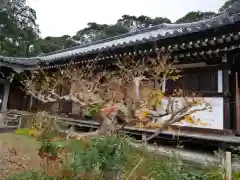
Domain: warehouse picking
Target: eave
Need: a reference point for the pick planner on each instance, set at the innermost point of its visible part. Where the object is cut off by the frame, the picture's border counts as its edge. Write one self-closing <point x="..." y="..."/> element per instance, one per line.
<point x="152" y="34"/>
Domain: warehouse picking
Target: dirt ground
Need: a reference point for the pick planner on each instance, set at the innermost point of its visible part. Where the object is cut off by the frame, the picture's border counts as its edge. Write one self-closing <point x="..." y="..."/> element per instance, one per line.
<point x="17" y="154"/>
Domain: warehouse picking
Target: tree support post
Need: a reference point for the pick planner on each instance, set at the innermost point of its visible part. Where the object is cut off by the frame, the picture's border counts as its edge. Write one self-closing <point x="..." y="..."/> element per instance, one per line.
<point x="144" y="138"/>
<point x="228" y="166"/>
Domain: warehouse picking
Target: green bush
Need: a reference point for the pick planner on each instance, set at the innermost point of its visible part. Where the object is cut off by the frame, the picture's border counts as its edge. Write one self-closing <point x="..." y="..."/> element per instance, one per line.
<point x="28" y="176"/>
<point x="94" y="108"/>
<point x="105" y="157"/>
<point x="22" y="131"/>
<point x="100" y="155"/>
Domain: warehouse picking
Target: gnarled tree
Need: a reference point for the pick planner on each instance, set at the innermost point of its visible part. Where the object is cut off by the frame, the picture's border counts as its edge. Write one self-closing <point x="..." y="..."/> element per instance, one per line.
<point x="130" y="93"/>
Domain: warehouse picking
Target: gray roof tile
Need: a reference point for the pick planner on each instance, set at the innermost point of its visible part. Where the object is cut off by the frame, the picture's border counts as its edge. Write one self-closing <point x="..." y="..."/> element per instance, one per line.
<point x="162" y="31"/>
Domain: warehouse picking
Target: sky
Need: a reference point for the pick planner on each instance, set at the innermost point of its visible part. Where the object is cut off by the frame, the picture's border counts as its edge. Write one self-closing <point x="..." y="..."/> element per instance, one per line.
<point x="60" y="17"/>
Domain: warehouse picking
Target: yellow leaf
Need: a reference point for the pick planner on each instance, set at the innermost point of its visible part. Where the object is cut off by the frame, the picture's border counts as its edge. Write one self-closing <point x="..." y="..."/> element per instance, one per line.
<point x="32" y="132"/>
<point x="139" y="125"/>
<point x="188" y="119"/>
<point x="155" y="126"/>
<point x="204" y="124"/>
<point x="170" y="129"/>
<point x="143" y="115"/>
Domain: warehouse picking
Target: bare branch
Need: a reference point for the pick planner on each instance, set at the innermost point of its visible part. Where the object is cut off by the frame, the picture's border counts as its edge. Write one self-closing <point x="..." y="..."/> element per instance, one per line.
<point x="126" y="93"/>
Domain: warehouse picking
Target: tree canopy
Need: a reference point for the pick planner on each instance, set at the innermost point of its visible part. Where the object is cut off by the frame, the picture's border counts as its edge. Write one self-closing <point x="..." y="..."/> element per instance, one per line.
<point x="196" y="16"/>
<point x="226" y="5"/>
<point x="20" y="35"/>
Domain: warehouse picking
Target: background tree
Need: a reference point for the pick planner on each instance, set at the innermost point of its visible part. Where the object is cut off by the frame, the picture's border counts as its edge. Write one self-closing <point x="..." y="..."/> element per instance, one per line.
<point x="50" y="44"/>
<point x="114" y="30"/>
<point x="20" y="36"/>
<point x="226" y="5"/>
<point x="196" y="16"/>
<point x="18" y="29"/>
<point x="133" y="23"/>
<point x="93" y="32"/>
<point x="96" y="31"/>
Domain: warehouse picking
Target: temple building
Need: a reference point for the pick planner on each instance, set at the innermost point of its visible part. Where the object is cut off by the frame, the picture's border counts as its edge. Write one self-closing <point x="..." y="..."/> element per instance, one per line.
<point x="207" y="50"/>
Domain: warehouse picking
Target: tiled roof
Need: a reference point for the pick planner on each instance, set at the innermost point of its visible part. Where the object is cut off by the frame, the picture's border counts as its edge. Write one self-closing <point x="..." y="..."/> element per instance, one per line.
<point x="153" y="33"/>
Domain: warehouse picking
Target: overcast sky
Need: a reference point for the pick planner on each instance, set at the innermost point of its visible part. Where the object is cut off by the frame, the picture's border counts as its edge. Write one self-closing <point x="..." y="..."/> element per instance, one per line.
<point x="59" y="17"/>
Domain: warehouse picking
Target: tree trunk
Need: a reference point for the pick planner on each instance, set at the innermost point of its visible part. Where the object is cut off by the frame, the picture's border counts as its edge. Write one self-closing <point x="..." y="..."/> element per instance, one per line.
<point x="107" y="127"/>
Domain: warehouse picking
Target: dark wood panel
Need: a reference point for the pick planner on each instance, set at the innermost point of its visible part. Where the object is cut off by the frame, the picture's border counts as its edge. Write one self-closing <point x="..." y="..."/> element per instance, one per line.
<point x="202" y="81"/>
<point x="17" y="98"/>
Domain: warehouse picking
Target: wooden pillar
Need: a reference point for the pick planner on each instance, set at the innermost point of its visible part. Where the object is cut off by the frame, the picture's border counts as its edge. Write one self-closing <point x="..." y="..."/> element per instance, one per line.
<point x="226" y="94"/>
<point x="237" y="103"/>
<point x="5" y="97"/>
<point x="30" y="103"/>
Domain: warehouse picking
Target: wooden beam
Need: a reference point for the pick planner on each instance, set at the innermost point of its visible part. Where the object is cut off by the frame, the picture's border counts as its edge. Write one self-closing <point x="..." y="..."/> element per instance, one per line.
<point x="192" y="65"/>
<point x="228" y="39"/>
<point x="196" y="45"/>
<point x="220" y="40"/>
<point x="224" y="58"/>
<point x="176" y="47"/>
<point x="203" y="54"/>
<point x="213" y="41"/>
<point x="204" y="43"/>
<point x="190" y="45"/>
<point x="183" y="46"/>
<point x="236" y="37"/>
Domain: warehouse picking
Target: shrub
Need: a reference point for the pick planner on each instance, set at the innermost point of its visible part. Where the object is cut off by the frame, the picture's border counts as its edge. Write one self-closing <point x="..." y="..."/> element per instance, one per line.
<point x="110" y="156"/>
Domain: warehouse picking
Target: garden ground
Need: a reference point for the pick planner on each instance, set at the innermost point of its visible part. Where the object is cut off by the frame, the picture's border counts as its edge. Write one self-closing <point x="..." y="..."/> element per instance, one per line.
<point x="17" y="154"/>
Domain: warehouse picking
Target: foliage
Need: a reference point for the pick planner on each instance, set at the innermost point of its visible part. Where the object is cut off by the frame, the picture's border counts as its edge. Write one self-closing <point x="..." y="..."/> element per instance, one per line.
<point x="18" y="30"/>
<point x="27" y="175"/>
<point x="133" y="23"/>
<point x="22" y="132"/>
<point x="19" y="33"/>
<point x="45" y="125"/>
<point x="236" y="175"/>
<point x="102" y="157"/>
<point x="41" y="125"/>
<point x="92" y="109"/>
<point x="50" y="44"/>
<point x="48" y="150"/>
<point x="196" y="16"/>
<point x="124" y="94"/>
<point x="226" y="5"/>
